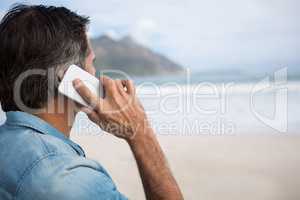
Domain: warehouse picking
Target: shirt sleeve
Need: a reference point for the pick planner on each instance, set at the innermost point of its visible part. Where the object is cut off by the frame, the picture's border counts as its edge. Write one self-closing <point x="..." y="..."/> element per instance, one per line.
<point x="56" y="177"/>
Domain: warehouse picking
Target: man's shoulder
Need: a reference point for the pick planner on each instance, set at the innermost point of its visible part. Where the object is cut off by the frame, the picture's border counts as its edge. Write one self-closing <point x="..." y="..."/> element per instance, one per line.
<point x="31" y="144"/>
<point x="20" y="146"/>
<point x="45" y="167"/>
<point x="21" y="149"/>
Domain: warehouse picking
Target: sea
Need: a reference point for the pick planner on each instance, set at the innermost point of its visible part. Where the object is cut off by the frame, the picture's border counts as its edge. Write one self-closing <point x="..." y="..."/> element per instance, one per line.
<point x="214" y="104"/>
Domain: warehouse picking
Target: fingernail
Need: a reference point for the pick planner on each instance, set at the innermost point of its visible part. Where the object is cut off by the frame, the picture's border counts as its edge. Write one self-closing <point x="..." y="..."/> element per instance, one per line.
<point x="76" y="82"/>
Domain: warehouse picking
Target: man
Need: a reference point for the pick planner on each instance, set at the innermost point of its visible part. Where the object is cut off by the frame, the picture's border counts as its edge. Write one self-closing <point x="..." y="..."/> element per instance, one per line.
<point x="38" y="160"/>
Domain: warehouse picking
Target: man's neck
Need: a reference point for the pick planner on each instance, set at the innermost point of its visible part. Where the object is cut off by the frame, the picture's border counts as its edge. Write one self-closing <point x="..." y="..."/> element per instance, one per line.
<point x="58" y="121"/>
<point x="62" y="121"/>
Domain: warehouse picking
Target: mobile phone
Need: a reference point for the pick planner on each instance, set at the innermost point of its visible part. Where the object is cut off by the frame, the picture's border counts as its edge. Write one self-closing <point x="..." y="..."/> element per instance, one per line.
<point x="74" y="72"/>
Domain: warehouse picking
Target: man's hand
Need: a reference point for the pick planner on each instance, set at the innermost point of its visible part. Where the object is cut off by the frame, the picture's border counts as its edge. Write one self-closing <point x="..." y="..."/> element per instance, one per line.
<point x="120" y="113"/>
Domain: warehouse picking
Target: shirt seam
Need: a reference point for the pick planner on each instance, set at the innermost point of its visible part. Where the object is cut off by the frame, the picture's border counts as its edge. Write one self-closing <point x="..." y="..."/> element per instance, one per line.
<point x="42" y="141"/>
<point x="25" y="125"/>
<point x="29" y="169"/>
<point x="36" y="129"/>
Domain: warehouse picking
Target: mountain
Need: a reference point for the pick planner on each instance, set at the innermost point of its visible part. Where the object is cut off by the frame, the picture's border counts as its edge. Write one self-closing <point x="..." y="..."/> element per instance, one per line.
<point x="131" y="57"/>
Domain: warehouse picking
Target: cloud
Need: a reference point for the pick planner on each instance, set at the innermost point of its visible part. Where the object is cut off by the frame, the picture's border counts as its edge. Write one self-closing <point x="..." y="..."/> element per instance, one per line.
<point x="145" y="30"/>
<point x="202" y="33"/>
<point x="112" y="33"/>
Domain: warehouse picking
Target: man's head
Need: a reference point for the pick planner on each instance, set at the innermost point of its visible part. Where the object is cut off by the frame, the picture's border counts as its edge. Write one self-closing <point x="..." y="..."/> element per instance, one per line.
<point x="37" y="39"/>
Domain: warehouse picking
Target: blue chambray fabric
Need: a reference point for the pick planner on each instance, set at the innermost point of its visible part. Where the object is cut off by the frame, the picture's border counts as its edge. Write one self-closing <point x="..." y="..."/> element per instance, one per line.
<point x="39" y="162"/>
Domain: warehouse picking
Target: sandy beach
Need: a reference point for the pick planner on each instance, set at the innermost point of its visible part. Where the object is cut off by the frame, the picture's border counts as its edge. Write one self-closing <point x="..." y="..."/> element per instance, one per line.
<point x="264" y="167"/>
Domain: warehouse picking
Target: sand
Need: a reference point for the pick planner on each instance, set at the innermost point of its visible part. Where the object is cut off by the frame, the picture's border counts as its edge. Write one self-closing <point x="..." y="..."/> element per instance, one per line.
<point x="210" y="167"/>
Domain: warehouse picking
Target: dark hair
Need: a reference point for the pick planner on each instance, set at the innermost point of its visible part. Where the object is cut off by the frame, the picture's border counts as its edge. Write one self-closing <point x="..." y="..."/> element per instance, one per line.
<point x="37" y="37"/>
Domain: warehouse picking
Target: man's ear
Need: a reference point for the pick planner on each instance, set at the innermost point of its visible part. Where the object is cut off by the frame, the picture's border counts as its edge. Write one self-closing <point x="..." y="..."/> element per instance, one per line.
<point x="60" y="72"/>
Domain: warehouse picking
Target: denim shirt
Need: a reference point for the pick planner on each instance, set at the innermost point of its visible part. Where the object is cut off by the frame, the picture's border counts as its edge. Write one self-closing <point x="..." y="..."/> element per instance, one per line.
<point x="39" y="162"/>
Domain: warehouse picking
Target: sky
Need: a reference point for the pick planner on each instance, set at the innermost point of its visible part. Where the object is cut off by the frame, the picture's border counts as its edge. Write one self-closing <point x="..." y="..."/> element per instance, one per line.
<point x="200" y="34"/>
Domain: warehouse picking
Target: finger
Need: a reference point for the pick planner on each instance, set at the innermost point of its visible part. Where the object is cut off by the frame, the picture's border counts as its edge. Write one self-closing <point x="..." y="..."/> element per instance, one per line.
<point x="86" y="94"/>
<point x="130" y="86"/>
<point x="105" y="80"/>
<point x="120" y="86"/>
<point x="108" y="85"/>
<point x="92" y="115"/>
<point x="77" y="106"/>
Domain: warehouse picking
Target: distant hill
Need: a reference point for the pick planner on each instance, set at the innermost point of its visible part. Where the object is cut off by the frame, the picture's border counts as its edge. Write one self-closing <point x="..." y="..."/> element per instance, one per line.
<point x="130" y="57"/>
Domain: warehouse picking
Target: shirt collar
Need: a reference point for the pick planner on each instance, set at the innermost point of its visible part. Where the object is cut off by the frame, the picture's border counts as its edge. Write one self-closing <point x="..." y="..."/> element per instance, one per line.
<point x="24" y="119"/>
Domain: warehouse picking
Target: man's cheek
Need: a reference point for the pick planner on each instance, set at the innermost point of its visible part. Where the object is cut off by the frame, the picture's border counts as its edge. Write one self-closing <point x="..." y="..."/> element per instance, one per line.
<point x="92" y="70"/>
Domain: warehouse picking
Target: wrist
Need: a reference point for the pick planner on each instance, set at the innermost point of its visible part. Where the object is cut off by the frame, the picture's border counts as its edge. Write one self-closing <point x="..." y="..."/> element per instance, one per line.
<point x="142" y="133"/>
